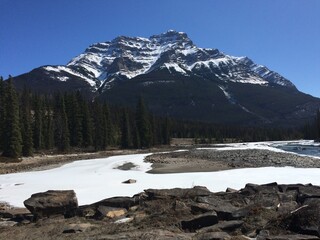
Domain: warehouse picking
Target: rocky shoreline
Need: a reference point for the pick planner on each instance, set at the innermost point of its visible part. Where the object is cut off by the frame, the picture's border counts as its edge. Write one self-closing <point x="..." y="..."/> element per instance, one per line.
<point x="261" y="212"/>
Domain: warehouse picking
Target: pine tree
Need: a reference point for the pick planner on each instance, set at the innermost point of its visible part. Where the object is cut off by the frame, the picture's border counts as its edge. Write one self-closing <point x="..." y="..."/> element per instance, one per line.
<point x="38" y="139"/>
<point x="61" y="130"/>
<point x="99" y="129"/>
<point x="26" y="125"/>
<point x="2" y="113"/>
<point x="87" y="125"/>
<point x="136" y="137"/>
<point x="12" y="135"/>
<point x="143" y="124"/>
<point x="48" y="127"/>
<point x="108" y="139"/>
<point x="73" y="102"/>
<point x="166" y="131"/>
<point x="318" y="124"/>
<point x="126" y="139"/>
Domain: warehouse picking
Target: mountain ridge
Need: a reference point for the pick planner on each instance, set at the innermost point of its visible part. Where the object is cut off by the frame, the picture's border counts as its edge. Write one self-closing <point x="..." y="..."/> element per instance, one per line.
<point x="172" y="63"/>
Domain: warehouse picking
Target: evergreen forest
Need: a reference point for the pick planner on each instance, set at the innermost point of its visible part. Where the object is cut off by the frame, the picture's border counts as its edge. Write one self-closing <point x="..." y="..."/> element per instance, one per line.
<point x="68" y="122"/>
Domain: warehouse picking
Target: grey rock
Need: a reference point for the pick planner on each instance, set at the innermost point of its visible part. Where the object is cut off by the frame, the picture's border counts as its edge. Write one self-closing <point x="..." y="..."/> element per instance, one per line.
<point x="292" y="237"/>
<point x="130" y="181"/>
<point x="8" y="223"/>
<point x="212" y="236"/>
<point x="223" y="208"/>
<point x="224" y="225"/>
<point x="306" y="219"/>
<point x="118" y="202"/>
<point x="177" y="193"/>
<point x="201" y="208"/>
<point x="200" y="221"/>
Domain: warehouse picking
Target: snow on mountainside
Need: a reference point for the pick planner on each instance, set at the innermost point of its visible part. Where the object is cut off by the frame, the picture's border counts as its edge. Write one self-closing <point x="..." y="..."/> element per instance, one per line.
<point x="103" y="64"/>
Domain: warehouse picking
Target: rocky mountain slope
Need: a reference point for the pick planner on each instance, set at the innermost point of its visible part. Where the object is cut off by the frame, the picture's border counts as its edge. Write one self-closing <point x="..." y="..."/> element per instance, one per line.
<point x="179" y="79"/>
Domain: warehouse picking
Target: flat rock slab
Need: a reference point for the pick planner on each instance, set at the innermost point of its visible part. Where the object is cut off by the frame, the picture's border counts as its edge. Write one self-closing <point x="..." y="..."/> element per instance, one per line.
<point x="200" y="221"/>
<point x="212" y="236"/>
<point x="291" y="237"/>
<point x="177" y="193"/>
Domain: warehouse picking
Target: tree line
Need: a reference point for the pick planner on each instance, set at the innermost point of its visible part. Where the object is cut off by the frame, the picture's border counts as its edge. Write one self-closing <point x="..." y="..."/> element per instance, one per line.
<point x="312" y="129"/>
<point x="32" y="122"/>
<point x="63" y="122"/>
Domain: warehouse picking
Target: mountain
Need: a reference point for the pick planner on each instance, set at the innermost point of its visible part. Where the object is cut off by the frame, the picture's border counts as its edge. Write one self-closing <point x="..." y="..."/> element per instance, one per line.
<point x="178" y="79"/>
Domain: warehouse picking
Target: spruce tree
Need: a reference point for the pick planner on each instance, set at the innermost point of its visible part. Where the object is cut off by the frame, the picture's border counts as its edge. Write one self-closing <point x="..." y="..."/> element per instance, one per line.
<point x="126" y="139"/>
<point x="38" y="139"/>
<point x="99" y="129"/>
<point x="48" y="127"/>
<point x="12" y="146"/>
<point x="136" y="137"/>
<point x="143" y="124"/>
<point x="166" y="131"/>
<point x="87" y="125"/>
<point x="108" y="126"/>
<point x="2" y="113"/>
<point x="318" y="124"/>
<point x="74" y="114"/>
<point x="61" y="130"/>
<point x="26" y="125"/>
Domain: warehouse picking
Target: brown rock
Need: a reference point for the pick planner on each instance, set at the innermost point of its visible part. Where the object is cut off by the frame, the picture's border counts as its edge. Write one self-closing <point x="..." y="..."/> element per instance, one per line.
<point x="52" y="202"/>
<point x="177" y="192"/>
<point x="212" y="236"/>
<point x="111" y="212"/>
<point x="130" y="181"/>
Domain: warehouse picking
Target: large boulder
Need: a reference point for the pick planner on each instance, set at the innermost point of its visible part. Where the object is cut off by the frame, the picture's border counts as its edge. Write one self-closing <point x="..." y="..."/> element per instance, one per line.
<point x="46" y="204"/>
<point x="224" y="209"/>
<point x="306" y="219"/>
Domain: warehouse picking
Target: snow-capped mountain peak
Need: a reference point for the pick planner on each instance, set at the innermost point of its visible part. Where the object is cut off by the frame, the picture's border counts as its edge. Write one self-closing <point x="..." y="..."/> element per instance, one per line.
<point x="178" y="79"/>
<point x="123" y="58"/>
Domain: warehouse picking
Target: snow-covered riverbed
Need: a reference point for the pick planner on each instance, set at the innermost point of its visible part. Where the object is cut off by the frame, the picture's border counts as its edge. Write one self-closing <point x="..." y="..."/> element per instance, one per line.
<point x="93" y="180"/>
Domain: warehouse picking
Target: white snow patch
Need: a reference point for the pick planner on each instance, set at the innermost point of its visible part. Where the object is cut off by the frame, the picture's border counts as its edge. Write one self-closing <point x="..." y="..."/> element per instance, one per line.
<point x="176" y="67"/>
<point x="50" y="68"/>
<point x="228" y="95"/>
<point x="189" y="51"/>
<point x="147" y="83"/>
<point x="63" y="79"/>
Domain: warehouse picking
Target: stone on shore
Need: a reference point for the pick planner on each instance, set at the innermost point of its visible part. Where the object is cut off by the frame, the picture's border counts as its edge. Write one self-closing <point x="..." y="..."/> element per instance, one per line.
<point x="52" y="202"/>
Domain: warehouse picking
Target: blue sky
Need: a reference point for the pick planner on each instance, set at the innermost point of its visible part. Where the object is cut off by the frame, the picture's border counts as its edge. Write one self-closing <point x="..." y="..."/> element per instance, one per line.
<point x="283" y="35"/>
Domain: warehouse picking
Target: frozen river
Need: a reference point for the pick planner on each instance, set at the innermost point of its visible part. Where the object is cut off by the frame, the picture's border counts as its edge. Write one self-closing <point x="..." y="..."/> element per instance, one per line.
<point x="96" y="179"/>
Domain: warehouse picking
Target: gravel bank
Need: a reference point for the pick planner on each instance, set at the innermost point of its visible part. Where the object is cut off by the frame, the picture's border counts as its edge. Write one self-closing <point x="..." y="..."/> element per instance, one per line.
<point x="204" y="160"/>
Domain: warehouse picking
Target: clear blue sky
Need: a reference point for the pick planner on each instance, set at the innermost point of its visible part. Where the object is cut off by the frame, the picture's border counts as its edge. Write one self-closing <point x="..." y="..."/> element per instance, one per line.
<point x="283" y="35"/>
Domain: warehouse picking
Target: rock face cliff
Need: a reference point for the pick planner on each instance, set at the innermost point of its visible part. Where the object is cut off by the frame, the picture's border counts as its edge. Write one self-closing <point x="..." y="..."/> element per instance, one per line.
<point x="261" y="212"/>
<point x="179" y="79"/>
